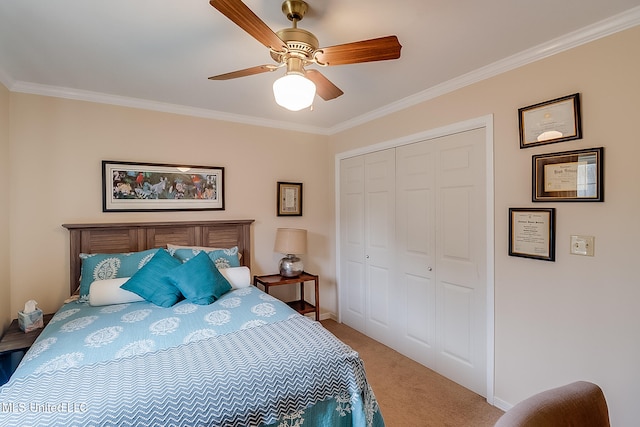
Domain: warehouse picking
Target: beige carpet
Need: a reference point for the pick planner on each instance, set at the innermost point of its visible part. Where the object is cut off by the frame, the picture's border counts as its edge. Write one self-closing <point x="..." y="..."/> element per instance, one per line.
<point x="411" y="395"/>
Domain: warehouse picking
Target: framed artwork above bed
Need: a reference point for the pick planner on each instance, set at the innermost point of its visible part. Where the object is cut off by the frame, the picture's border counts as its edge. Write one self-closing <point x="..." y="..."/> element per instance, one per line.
<point x="132" y="187"/>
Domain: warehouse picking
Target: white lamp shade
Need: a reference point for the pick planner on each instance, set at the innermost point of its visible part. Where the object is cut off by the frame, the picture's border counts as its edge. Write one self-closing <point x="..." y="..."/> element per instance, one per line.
<point x="291" y="241"/>
<point x="294" y="92"/>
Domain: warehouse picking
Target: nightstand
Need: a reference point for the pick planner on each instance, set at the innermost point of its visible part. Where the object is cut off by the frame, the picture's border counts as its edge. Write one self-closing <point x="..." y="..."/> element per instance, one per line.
<point x="14" y="341"/>
<point x="301" y="305"/>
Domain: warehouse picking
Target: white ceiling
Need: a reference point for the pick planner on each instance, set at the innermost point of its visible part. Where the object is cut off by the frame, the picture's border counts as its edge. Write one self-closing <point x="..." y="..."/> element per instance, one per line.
<point x="158" y="54"/>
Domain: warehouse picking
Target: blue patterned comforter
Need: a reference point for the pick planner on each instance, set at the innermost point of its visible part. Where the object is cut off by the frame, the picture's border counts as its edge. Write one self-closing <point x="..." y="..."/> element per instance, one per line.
<point x="245" y="360"/>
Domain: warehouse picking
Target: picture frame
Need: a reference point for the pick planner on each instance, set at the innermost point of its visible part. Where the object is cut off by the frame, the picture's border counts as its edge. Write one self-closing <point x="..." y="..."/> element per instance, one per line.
<point x="137" y="187"/>
<point x="550" y="121"/>
<point x="289" y="198"/>
<point x="532" y="233"/>
<point x="568" y="176"/>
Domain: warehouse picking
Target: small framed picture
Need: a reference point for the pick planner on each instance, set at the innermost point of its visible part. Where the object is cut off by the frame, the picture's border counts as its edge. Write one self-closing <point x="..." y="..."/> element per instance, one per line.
<point x="532" y="233"/>
<point x="550" y="121"/>
<point x="569" y="176"/>
<point x="289" y="199"/>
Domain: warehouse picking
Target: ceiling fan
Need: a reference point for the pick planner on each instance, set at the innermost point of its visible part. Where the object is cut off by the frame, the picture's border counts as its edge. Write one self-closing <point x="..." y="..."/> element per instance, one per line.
<point x="295" y="49"/>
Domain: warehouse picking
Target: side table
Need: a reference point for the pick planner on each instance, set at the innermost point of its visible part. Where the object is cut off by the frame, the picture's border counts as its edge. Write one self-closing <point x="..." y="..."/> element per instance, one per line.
<point x="301" y="305"/>
<point x="15" y="340"/>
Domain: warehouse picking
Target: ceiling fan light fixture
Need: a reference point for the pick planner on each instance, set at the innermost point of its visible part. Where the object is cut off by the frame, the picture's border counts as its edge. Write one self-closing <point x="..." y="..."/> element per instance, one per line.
<point x="294" y="91"/>
<point x="297" y="48"/>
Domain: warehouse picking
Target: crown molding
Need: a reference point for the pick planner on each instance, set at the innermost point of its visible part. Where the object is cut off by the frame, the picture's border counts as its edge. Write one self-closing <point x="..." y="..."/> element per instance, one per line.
<point x="612" y="25"/>
<point x="604" y="28"/>
<point x="5" y="79"/>
<point x="123" y="101"/>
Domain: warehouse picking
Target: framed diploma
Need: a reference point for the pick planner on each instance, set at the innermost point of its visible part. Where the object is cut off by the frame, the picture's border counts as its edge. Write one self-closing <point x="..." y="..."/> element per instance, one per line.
<point x="570" y="176"/>
<point x="550" y="121"/>
<point x="289" y="199"/>
<point x="532" y="233"/>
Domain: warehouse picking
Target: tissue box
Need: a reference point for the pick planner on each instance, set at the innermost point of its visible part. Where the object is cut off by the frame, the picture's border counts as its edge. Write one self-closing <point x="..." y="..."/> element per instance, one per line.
<point x="30" y="321"/>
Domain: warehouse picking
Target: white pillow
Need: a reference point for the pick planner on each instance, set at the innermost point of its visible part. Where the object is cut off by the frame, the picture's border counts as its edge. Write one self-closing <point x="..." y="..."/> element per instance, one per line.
<point x="238" y="277"/>
<point x="107" y="292"/>
<point x="199" y="248"/>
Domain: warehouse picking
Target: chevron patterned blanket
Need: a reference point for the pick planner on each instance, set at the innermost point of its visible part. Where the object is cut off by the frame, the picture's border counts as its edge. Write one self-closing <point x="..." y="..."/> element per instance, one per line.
<point x="285" y="373"/>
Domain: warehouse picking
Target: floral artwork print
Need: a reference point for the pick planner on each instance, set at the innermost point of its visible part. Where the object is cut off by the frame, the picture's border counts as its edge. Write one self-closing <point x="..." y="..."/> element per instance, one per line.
<point x="129" y="186"/>
<point x="132" y="184"/>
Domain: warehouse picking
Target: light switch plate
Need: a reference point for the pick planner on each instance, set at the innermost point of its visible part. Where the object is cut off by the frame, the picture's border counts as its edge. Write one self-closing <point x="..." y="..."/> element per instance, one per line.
<point x="582" y="245"/>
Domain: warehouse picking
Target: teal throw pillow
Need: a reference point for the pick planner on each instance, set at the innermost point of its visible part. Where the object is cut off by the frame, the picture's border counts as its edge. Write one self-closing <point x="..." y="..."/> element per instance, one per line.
<point x="151" y="282"/>
<point x="110" y="266"/>
<point x="199" y="280"/>
<point x="222" y="258"/>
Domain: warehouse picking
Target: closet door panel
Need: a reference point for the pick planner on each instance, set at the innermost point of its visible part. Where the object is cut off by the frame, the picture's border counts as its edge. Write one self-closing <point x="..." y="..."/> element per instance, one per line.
<point x="379" y="219"/>
<point x="461" y="259"/>
<point x="456" y="322"/>
<point x="415" y="226"/>
<point x="352" y="256"/>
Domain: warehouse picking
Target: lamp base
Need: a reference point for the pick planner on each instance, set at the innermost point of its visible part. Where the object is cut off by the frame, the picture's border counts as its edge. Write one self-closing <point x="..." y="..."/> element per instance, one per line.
<point x="291" y="266"/>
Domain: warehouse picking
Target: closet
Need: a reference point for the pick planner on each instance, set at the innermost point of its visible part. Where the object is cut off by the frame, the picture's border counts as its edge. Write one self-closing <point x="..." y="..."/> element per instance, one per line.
<point x="413" y="241"/>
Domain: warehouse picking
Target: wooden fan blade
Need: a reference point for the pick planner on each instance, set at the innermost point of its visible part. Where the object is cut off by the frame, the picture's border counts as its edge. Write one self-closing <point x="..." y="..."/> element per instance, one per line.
<point x="243" y="73"/>
<point x="379" y="49"/>
<point x="243" y="17"/>
<point x="324" y="87"/>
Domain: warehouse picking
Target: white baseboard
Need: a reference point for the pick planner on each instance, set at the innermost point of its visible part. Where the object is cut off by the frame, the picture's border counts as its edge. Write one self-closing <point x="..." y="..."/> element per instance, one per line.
<point x="501" y="404"/>
<point x="323" y="316"/>
<point x="328" y="315"/>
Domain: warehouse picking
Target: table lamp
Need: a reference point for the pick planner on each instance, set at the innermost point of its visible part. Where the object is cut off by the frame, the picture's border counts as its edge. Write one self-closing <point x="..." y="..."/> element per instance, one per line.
<point x="291" y="241"/>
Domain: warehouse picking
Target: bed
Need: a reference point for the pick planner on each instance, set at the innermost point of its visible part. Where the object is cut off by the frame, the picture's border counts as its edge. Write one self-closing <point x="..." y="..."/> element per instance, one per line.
<point x="245" y="359"/>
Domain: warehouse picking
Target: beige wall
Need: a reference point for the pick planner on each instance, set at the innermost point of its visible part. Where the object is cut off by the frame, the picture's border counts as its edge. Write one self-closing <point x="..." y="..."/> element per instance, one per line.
<point x="57" y="147"/>
<point x="4" y="209"/>
<point x="575" y="318"/>
<point x="556" y="322"/>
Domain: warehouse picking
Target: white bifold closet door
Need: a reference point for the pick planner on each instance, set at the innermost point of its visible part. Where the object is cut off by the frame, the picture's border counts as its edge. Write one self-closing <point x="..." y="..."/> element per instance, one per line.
<point x="413" y="262"/>
<point x="367" y="217"/>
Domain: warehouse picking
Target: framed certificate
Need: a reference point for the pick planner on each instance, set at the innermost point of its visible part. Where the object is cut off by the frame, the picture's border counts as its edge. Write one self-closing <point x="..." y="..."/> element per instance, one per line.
<point x="550" y="121"/>
<point x="569" y="176"/>
<point x="532" y="233"/>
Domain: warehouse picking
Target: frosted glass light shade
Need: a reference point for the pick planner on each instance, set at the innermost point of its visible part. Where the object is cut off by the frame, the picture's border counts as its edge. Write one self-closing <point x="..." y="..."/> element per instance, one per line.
<point x="294" y="92"/>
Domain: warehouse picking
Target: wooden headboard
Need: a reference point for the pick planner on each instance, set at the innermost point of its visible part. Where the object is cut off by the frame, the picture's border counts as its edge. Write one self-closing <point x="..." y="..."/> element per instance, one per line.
<point x="138" y="236"/>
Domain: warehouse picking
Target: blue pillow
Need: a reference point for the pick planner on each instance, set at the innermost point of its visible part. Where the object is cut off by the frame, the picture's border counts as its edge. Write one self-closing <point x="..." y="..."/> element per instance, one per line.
<point x="151" y="282"/>
<point x="110" y="266"/>
<point x="222" y="258"/>
<point x="199" y="280"/>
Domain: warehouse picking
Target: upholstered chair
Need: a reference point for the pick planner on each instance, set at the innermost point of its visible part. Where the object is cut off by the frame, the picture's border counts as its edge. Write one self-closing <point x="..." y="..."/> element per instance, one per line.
<point x="579" y="404"/>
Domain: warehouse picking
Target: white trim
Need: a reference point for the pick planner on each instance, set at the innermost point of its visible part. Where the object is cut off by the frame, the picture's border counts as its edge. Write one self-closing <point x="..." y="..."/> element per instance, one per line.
<point x="104" y="98"/>
<point x="328" y="316"/>
<point x="501" y="404"/>
<point x="491" y="236"/>
<point x="606" y="27"/>
<point x="5" y="79"/>
<point x="336" y="195"/>
<point x="477" y="123"/>
<point x="485" y="122"/>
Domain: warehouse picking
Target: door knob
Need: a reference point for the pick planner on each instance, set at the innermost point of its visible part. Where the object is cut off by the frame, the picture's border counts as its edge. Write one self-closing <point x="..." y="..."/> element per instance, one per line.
<point x="429" y="269"/>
